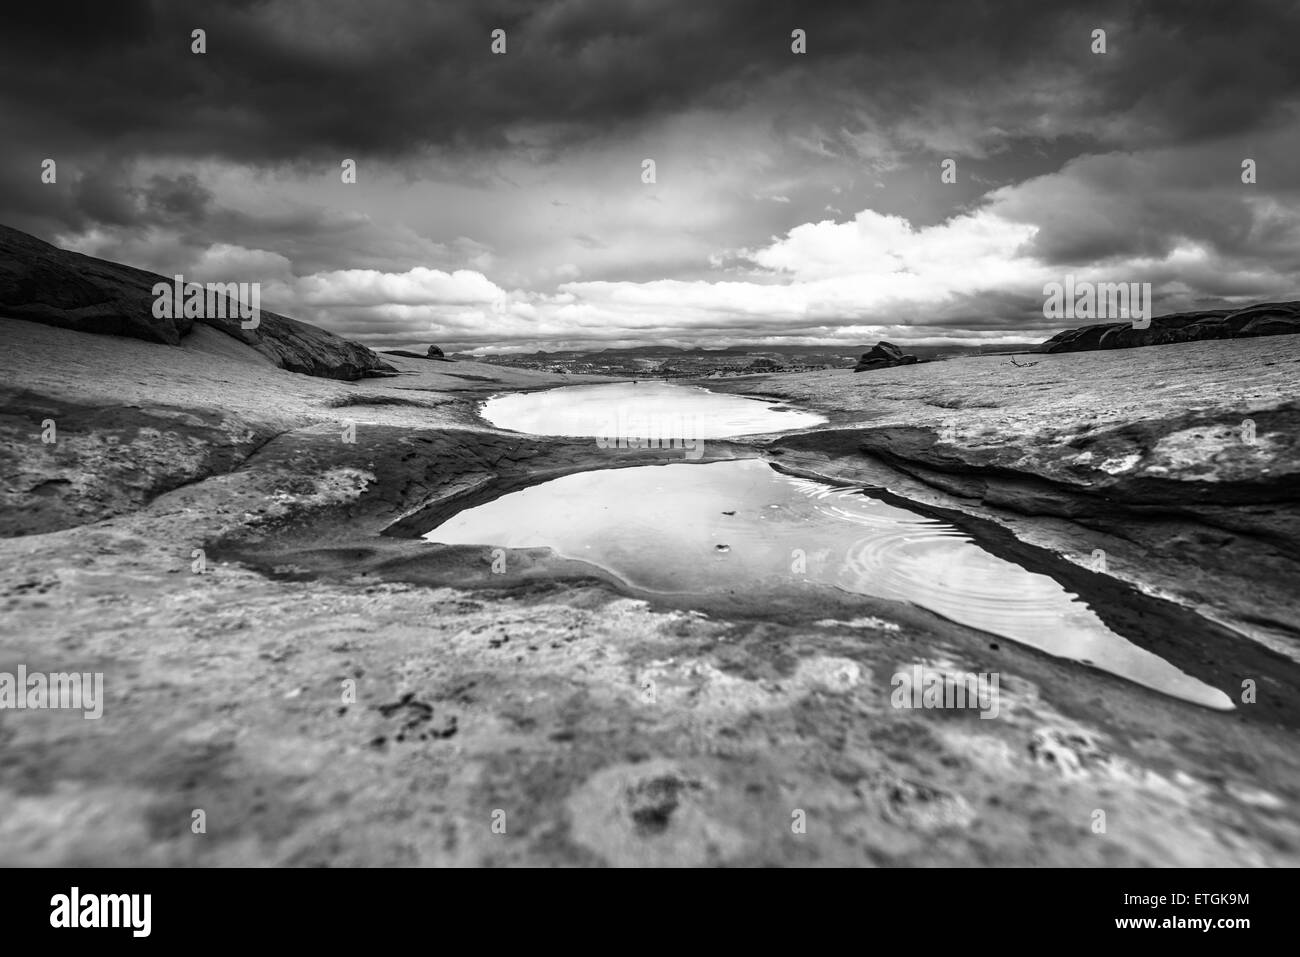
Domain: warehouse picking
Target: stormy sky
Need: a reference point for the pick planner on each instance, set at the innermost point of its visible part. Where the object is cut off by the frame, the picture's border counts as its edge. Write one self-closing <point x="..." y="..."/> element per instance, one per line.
<point x="499" y="200"/>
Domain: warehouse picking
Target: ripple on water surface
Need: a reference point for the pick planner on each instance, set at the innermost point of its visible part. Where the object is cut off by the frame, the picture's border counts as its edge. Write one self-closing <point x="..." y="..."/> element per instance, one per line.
<point x="687" y="529"/>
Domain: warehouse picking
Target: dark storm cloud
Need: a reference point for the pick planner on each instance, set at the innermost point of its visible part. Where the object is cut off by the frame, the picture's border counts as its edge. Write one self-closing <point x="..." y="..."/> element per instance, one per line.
<point x="105" y="194"/>
<point x="308" y="83"/>
<point x="288" y="81"/>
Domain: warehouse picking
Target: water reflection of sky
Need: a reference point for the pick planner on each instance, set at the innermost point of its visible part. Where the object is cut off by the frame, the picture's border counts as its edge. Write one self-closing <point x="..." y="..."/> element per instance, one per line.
<point x="659" y="527"/>
<point x="643" y="409"/>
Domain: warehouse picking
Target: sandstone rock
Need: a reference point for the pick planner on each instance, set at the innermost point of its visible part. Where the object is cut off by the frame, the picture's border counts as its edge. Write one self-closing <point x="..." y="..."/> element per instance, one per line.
<point x="42" y="283"/>
<point x="883" y="355"/>
<point x="537" y="681"/>
<point x="1265" y="319"/>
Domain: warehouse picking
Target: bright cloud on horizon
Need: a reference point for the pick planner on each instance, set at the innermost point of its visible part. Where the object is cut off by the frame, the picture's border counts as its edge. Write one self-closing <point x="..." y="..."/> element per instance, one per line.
<point x="828" y="281"/>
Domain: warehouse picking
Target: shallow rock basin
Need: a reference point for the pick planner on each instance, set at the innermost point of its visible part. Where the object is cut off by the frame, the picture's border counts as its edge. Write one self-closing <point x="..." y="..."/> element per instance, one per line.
<point x="693" y="528"/>
<point x="653" y="410"/>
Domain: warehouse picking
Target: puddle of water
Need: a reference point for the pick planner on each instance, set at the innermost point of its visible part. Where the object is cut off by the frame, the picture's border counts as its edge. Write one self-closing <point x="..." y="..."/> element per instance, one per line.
<point x="687" y="529"/>
<point x="642" y="410"/>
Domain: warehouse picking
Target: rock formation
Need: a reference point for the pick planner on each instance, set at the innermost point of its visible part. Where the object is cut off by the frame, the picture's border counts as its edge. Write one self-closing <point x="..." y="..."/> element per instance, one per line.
<point x="42" y="283"/>
<point x="883" y="355"/>
<point x="1264" y="319"/>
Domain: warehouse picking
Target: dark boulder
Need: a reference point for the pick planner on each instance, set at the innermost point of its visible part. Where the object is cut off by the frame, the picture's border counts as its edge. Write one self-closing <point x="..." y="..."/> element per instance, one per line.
<point x="434" y="353"/>
<point x="883" y="355"/>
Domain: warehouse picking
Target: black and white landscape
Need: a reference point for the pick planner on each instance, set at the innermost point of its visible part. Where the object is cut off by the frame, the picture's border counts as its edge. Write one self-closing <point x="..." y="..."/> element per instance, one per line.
<point x="658" y="434"/>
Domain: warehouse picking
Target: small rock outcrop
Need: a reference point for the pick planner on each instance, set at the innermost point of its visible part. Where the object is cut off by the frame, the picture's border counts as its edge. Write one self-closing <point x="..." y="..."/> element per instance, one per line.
<point x="434" y="353"/>
<point x="1264" y="319"/>
<point x="883" y="355"/>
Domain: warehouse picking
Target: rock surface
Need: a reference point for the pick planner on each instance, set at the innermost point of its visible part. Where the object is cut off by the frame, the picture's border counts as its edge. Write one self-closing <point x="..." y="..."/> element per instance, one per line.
<point x="883" y="355"/>
<point x="1265" y="319"/>
<point x="42" y="283"/>
<point x="333" y="691"/>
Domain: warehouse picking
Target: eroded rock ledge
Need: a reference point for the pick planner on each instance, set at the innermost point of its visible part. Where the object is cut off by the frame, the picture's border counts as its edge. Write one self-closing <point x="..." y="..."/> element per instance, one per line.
<point x="1262" y="319"/>
<point x="42" y="283"/>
